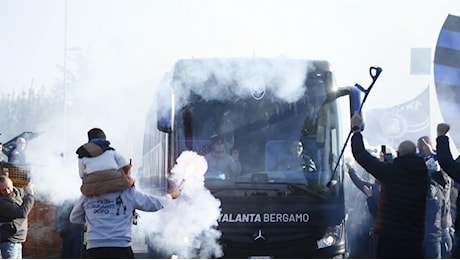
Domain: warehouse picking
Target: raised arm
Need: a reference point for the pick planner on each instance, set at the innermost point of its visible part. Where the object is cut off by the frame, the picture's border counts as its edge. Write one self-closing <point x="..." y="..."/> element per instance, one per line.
<point x="445" y="159"/>
<point x="371" y="164"/>
<point x="357" y="180"/>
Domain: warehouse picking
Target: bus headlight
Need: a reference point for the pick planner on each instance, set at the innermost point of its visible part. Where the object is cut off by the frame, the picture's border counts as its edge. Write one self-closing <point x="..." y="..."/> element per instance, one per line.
<point x="330" y="237"/>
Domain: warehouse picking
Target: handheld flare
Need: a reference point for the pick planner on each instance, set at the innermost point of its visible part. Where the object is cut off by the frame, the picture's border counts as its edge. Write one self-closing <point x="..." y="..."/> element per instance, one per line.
<point x="190" y="169"/>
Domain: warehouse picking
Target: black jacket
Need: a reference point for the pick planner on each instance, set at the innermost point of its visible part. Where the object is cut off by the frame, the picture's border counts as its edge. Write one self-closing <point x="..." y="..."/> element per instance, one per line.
<point x="404" y="187"/>
<point x="372" y="201"/>
<point x="17" y="210"/>
<point x="438" y="214"/>
<point x="450" y="166"/>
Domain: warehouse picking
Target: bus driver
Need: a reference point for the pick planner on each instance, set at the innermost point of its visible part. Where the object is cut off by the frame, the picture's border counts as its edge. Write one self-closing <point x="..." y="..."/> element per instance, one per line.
<point x="221" y="162"/>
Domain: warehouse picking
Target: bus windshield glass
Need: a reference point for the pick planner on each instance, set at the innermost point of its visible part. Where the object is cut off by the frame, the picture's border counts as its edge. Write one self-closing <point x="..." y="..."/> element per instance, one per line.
<point x="262" y="132"/>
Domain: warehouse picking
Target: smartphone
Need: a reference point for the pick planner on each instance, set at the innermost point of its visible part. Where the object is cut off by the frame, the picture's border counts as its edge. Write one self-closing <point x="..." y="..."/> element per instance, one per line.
<point x="387" y="157"/>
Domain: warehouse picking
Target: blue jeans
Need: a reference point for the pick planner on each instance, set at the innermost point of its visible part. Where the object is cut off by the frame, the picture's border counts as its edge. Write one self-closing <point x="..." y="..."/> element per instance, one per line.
<point x="11" y="250"/>
<point x="447" y="243"/>
<point x="456" y="250"/>
<point x="433" y="249"/>
<point x="439" y="249"/>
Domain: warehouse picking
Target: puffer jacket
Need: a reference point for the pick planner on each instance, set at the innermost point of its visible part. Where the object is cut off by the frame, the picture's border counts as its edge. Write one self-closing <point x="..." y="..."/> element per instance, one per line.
<point x="106" y="181"/>
<point x="404" y="187"/>
<point x="438" y="214"/>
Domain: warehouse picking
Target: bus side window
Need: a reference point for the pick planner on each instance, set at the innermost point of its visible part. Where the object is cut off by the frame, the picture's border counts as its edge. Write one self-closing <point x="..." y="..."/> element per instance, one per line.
<point x="200" y="146"/>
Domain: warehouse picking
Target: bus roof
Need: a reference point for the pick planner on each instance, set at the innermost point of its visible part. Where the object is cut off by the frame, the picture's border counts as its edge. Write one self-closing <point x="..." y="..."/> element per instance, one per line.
<point x="213" y="64"/>
<point x="235" y="76"/>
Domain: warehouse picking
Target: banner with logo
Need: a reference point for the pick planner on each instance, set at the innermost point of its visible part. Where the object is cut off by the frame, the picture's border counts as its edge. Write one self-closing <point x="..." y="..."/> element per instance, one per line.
<point x="406" y="121"/>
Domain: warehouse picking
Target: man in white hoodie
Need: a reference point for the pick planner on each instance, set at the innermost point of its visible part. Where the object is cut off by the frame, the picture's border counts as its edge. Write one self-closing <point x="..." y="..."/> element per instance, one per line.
<point x="109" y="220"/>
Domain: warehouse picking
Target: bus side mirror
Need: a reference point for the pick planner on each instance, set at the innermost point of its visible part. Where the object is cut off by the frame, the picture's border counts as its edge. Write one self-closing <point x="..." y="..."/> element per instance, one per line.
<point x="164" y="103"/>
<point x="356" y="100"/>
<point x="164" y="125"/>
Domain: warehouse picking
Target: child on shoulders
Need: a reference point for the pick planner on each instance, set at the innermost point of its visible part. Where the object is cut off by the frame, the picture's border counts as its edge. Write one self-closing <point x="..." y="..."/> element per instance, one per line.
<point x="101" y="167"/>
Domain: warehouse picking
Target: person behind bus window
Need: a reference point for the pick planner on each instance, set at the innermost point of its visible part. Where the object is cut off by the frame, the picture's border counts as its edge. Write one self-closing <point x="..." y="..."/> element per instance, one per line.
<point x="293" y="158"/>
<point x="220" y="161"/>
<point x="219" y="125"/>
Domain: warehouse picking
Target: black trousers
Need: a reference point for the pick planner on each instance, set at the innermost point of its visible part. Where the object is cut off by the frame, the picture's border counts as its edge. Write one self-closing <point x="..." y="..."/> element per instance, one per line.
<point x="393" y="247"/>
<point x="456" y="250"/>
<point x="110" y="252"/>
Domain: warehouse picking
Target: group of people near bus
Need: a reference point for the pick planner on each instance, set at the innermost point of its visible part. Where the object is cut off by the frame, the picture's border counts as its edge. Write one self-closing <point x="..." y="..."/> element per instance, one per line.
<point x="109" y="199"/>
<point x="15" y="205"/>
<point x="410" y="197"/>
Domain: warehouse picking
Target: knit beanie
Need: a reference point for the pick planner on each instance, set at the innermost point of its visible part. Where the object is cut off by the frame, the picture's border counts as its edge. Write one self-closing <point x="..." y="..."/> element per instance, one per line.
<point x="96" y="133"/>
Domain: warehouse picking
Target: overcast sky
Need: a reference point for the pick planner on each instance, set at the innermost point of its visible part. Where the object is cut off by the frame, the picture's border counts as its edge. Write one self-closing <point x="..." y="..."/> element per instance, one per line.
<point x="148" y="36"/>
<point x="129" y="44"/>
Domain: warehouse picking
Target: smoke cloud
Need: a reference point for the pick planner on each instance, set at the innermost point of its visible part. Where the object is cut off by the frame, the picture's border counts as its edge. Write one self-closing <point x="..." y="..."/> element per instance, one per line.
<point x="118" y="80"/>
<point x="102" y="92"/>
<point x="187" y="226"/>
<point x="241" y="78"/>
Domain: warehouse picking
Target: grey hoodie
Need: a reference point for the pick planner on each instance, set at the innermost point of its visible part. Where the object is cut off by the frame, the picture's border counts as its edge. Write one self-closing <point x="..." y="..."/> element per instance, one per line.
<point x="109" y="216"/>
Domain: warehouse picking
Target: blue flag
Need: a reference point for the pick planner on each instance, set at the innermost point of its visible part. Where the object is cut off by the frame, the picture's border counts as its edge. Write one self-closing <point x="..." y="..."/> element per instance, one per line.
<point x="447" y="74"/>
<point x="406" y="121"/>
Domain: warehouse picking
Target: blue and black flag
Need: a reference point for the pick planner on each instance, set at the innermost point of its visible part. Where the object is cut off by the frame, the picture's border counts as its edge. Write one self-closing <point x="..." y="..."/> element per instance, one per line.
<point x="406" y="121"/>
<point x="447" y="74"/>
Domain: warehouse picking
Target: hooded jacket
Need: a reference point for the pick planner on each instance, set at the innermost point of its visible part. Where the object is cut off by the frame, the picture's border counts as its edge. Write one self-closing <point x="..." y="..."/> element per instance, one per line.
<point x="372" y="201"/>
<point x="109" y="216"/>
<point x="438" y="213"/>
<point x="404" y="187"/>
<point x="101" y="168"/>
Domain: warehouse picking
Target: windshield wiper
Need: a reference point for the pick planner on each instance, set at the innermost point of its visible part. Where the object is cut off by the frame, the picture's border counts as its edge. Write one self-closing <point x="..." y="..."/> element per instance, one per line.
<point x="301" y="189"/>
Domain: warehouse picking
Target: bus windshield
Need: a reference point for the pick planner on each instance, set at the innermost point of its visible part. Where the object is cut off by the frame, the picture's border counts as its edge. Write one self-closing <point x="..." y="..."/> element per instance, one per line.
<point x="269" y="132"/>
<point x="262" y="143"/>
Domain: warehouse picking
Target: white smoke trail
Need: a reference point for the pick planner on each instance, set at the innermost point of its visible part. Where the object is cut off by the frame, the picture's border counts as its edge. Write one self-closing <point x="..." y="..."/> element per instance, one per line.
<point x="106" y="93"/>
<point x="54" y="176"/>
<point x="236" y="76"/>
<point x="187" y="226"/>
